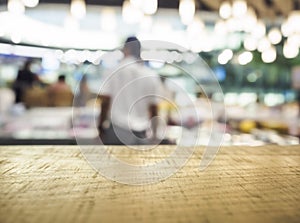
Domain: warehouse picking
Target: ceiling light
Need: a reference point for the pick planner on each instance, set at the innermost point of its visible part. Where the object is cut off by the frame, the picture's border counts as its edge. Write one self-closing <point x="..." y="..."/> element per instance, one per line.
<point x="239" y="8"/>
<point x="286" y="29"/>
<point x="245" y="58"/>
<point x="225" y="56"/>
<point x="250" y="43"/>
<point x="228" y="54"/>
<point x="149" y="7"/>
<point x="30" y="3"/>
<point x="130" y="13"/>
<point x="234" y="25"/>
<point x="16" y="6"/>
<point x="196" y="27"/>
<point x="225" y="10"/>
<point x="294" y="40"/>
<point x="269" y="55"/>
<point x="294" y="20"/>
<point x="220" y="27"/>
<point x="16" y="38"/>
<point x="222" y="60"/>
<point x="260" y="30"/>
<point x="290" y="51"/>
<point x="136" y="3"/>
<point x="275" y="36"/>
<point x="78" y="8"/>
<point x="263" y="44"/>
<point x="187" y="10"/>
<point x="250" y="20"/>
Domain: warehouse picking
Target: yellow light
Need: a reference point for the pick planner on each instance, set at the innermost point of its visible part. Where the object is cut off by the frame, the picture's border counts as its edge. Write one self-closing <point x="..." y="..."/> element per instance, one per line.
<point x="263" y="44"/>
<point x="286" y="29"/>
<point x="136" y="3"/>
<point x="196" y="27"/>
<point x="260" y="30"/>
<point x="294" y="40"/>
<point x="269" y="55"/>
<point x="222" y="60"/>
<point x="149" y="7"/>
<point x="130" y="13"/>
<point x="250" y="20"/>
<point x="78" y="8"/>
<point x="225" y="10"/>
<point x="187" y="10"/>
<point x="225" y="56"/>
<point x="30" y="3"/>
<point x="290" y="51"/>
<point x="220" y="27"/>
<point x="16" y="38"/>
<point x="16" y="6"/>
<point x="239" y="8"/>
<point x="275" y="36"/>
<point x="294" y="20"/>
<point x="250" y="43"/>
<point x="245" y="58"/>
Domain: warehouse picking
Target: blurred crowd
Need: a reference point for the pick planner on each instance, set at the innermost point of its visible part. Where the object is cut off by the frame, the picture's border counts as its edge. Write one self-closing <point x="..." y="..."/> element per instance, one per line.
<point x="28" y="90"/>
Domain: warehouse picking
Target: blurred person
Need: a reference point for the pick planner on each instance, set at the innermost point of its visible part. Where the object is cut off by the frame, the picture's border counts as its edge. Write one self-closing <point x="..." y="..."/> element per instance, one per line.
<point x="59" y="93"/>
<point x="129" y="100"/>
<point x="7" y="99"/>
<point x="25" y="79"/>
<point x="84" y="93"/>
<point x="168" y="104"/>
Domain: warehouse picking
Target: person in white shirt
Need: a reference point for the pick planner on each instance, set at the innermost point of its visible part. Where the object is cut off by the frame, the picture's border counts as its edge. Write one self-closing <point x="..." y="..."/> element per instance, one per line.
<point x="129" y="96"/>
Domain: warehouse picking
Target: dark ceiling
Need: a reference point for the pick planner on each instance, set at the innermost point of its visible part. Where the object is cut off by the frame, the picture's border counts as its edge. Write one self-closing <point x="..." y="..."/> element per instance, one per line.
<point x="162" y="3"/>
<point x="263" y="8"/>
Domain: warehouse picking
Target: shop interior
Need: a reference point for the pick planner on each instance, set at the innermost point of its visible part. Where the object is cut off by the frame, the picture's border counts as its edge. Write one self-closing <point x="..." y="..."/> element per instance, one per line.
<point x="237" y="61"/>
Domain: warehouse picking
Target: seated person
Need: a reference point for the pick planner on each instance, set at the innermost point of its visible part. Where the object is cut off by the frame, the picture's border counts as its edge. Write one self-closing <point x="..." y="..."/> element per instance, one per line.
<point x="59" y="93"/>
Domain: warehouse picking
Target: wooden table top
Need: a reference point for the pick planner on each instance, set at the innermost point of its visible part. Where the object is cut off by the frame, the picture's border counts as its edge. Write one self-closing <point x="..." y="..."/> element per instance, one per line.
<point x="243" y="184"/>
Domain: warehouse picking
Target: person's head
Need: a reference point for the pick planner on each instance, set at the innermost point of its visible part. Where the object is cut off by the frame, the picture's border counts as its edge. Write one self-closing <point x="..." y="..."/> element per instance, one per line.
<point x="132" y="47"/>
<point x="27" y="64"/>
<point x="163" y="79"/>
<point x="61" y="78"/>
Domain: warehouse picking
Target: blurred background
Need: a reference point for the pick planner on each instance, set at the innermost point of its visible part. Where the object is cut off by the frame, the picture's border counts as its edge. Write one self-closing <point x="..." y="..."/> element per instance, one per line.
<point x="252" y="47"/>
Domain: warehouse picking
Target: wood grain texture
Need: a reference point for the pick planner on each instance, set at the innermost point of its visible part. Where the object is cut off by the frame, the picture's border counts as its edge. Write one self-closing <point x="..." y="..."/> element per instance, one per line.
<point x="243" y="184"/>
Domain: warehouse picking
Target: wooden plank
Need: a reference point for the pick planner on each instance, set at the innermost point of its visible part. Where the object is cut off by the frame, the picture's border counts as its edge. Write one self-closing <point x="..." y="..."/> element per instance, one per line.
<point x="243" y="184"/>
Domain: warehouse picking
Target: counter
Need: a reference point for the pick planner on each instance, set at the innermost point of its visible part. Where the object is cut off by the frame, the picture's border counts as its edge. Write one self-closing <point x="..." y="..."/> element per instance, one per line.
<point x="242" y="184"/>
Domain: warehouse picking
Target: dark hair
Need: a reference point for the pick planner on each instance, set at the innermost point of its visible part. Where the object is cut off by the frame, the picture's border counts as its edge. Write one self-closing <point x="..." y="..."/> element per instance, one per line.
<point x="61" y="77"/>
<point x="27" y="64"/>
<point x="133" y="45"/>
